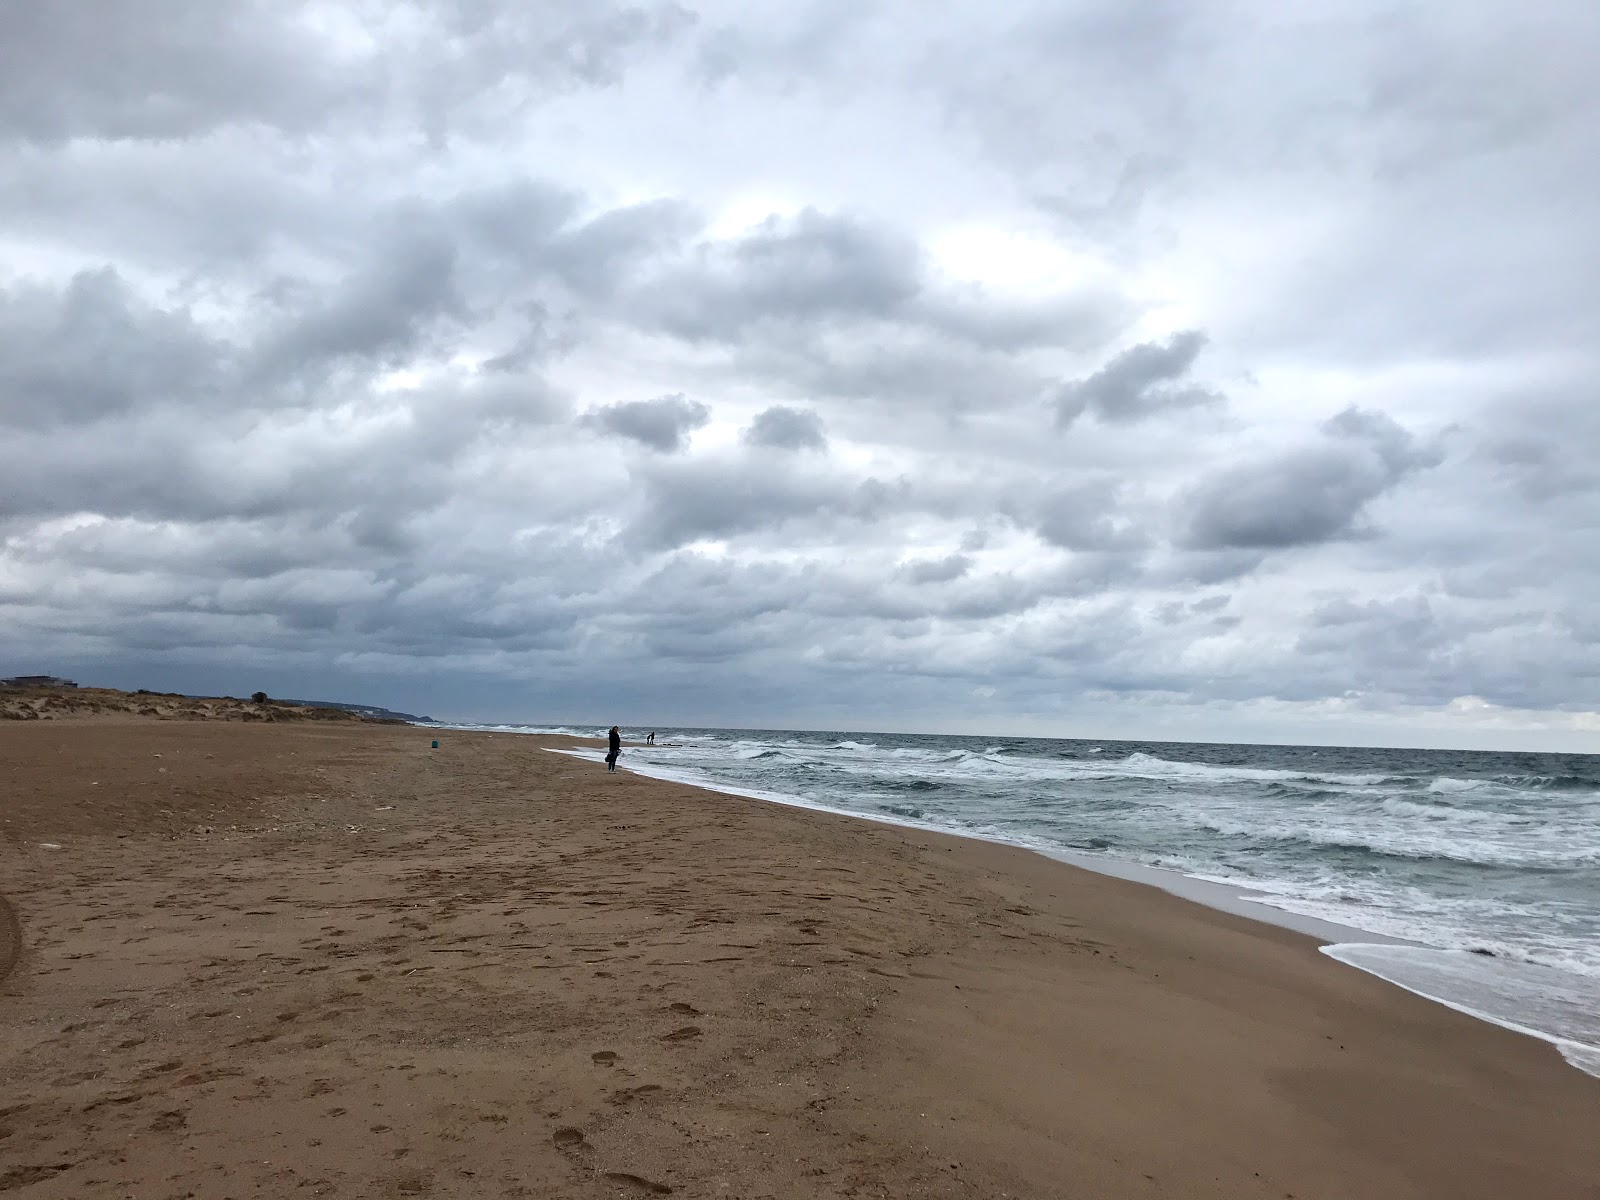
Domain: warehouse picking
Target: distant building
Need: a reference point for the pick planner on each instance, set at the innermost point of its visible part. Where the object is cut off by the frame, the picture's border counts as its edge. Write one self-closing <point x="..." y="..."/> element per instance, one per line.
<point x="36" y="681"/>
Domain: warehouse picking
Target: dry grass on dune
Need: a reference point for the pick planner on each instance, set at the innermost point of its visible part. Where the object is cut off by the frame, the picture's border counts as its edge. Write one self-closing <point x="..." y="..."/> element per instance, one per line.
<point x="59" y="703"/>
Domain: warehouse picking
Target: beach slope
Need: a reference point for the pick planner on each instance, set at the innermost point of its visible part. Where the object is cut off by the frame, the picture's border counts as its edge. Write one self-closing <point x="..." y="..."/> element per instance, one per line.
<point x="266" y="959"/>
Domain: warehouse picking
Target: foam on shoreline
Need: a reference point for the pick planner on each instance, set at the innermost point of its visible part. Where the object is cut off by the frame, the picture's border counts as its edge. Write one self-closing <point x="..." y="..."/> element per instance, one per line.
<point x="1224" y="897"/>
<point x="1451" y="978"/>
<point x="1409" y="965"/>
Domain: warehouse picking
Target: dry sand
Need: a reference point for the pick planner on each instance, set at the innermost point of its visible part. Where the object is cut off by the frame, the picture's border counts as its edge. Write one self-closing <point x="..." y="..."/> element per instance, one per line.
<point x="323" y="959"/>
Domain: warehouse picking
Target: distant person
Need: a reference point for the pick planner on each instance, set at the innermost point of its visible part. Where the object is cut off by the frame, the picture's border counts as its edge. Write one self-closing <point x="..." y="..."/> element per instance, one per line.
<point x="615" y="751"/>
<point x="651" y="739"/>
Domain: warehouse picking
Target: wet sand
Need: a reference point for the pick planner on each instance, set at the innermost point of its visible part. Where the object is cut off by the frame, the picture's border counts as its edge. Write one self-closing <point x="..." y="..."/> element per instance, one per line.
<point x="324" y="959"/>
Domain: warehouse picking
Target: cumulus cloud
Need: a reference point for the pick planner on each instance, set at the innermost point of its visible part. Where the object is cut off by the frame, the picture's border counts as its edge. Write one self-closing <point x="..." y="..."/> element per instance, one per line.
<point x="149" y="69"/>
<point x="814" y="267"/>
<point x="938" y="570"/>
<point x="662" y="424"/>
<point x="1087" y="516"/>
<point x="1139" y="382"/>
<point x="1308" y="494"/>
<point x="90" y="348"/>
<point x="684" y="501"/>
<point x="786" y="428"/>
<point x="381" y="311"/>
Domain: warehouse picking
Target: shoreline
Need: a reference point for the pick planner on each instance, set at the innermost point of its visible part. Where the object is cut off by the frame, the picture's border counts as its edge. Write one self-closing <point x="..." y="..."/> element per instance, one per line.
<point x="1222" y="897"/>
<point x="1343" y="944"/>
<point x="286" y="960"/>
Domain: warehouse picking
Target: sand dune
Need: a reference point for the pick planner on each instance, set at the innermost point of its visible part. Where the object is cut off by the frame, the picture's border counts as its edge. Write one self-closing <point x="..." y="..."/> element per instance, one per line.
<point x="57" y="703"/>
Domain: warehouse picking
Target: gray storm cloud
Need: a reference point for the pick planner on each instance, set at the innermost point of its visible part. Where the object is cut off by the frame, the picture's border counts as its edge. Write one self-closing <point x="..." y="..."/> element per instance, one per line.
<point x="1306" y="494"/>
<point x="663" y="424"/>
<point x="1140" y="382"/>
<point x="1176" y="369"/>
<point x="787" y="429"/>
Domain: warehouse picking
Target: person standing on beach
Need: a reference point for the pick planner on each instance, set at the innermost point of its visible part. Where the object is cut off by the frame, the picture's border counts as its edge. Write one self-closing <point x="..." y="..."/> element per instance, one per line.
<point x="615" y="751"/>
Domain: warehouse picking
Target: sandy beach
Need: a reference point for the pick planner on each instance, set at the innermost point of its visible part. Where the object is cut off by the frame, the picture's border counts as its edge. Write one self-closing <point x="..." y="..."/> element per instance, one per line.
<point x="242" y="958"/>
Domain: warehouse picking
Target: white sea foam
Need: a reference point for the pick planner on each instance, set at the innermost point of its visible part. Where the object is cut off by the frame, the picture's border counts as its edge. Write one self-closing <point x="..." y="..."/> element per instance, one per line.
<point x="697" y="778"/>
<point x="547" y="730"/>
<point x="1547" y="849"/>
<point x="1531" y="998"/>
<point x="1435" y="811"/>
<point x="1464" y="923"/>
<point x="1149" y="765"/>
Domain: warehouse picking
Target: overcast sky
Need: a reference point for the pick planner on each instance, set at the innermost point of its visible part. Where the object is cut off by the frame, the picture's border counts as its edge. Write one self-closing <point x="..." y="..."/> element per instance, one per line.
<point x="1197" y="369"/>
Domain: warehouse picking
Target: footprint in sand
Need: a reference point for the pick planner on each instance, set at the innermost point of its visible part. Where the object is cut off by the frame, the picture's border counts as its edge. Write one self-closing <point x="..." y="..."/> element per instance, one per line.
<point x="604" y="1058"/>
<point x="17" y="1177"/>
<point x="687" y="1010"/>
<point x="682" y="1035"/>
<point x="413" y="1183"/>
<point x="627" y="1095"/>
<point x="567" y="1138"/>
<point x="638" y="1183"/>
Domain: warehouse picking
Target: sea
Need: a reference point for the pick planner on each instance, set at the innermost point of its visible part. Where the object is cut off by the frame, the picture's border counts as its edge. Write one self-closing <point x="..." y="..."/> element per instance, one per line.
<point x="1470" y="877"/>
